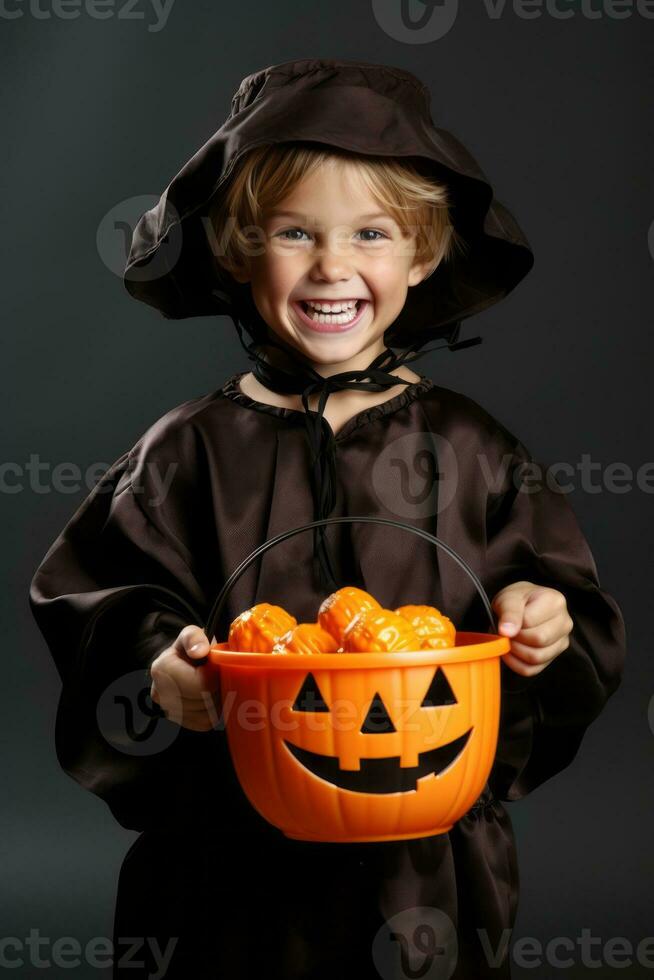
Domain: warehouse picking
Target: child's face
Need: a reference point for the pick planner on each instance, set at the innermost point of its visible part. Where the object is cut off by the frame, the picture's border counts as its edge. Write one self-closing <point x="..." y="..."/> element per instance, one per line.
<point x="336" y="246"/>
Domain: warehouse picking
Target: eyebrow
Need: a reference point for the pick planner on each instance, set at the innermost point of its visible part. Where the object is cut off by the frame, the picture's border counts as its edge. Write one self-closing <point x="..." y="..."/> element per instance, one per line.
<point x="301" y="216"/>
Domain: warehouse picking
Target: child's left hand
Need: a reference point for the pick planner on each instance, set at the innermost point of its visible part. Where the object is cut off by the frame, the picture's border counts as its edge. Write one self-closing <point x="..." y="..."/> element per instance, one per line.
<point x="537" y="620"/>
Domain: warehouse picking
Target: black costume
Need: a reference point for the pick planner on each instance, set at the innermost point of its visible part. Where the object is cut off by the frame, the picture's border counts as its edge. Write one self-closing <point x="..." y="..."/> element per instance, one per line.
<point x="130" y="570"/>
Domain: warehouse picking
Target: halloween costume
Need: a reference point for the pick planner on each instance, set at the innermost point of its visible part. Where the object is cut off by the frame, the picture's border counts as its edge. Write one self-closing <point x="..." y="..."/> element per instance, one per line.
<point x="131" y="569"/>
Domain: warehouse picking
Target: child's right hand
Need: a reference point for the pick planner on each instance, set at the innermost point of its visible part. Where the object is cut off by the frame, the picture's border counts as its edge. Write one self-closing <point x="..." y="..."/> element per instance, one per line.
<point x="187" y="691"/>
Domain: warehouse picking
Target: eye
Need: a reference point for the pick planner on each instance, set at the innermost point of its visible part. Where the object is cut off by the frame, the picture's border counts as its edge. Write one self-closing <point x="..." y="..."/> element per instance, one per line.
<point x="377" y="719"/>
<point x="309" y="697"/>
<point x="374" y="232"/>
<point x="289" y="231"/>
<point x="439" y="692"/>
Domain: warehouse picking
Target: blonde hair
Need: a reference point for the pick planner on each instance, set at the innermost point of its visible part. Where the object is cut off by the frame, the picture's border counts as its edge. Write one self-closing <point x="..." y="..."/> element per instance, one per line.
<point x="267" y="174"/>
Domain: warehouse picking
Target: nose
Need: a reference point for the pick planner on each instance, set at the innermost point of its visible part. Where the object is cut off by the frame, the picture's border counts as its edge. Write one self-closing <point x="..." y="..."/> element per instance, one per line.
<point x="331" y="263"/>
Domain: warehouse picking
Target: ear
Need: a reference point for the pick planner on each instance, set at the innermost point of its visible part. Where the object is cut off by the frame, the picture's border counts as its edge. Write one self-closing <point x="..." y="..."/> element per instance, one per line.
<point x="420" y="271"/>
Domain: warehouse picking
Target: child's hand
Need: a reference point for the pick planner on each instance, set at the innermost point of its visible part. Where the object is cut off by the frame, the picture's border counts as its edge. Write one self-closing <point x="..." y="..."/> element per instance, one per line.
<point x="538" y="618"/>
<point x="186" y="691"/>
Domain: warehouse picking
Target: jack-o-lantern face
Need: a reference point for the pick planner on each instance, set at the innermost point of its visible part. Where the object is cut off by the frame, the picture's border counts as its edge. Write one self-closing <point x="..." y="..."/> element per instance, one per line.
<point x="364" y="746"/>
<point x="385" y="774"/>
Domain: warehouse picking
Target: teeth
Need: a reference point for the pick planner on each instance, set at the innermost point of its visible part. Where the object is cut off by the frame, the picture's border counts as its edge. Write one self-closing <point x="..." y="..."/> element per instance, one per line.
<point x="332" y="307"/>
<point x="342" y="312"/>
<point x="342" y="318"/>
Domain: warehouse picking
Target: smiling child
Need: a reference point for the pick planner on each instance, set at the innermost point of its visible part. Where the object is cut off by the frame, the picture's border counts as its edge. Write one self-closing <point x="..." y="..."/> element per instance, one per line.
<point x="332" y="219"/>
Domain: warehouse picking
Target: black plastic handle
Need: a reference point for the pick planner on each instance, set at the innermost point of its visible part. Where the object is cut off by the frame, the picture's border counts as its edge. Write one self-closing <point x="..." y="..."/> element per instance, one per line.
<point x="238" y="571"/>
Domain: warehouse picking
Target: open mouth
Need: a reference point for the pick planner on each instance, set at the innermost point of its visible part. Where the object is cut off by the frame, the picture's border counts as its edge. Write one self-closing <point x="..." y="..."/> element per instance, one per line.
<point x="384" y="775"/>
<point x="331" y="322"/>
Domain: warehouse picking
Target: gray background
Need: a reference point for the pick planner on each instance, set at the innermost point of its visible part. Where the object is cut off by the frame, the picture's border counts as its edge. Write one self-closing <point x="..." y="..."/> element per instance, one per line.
<point x="557" y="112"/>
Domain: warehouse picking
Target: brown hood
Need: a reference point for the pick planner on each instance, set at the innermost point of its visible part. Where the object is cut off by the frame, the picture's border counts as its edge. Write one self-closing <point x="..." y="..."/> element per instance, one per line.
<point x="366" y="108"/>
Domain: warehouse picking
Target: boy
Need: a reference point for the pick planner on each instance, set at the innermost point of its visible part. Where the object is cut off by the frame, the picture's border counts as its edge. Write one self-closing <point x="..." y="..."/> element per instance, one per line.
<point x="330" y="421"/>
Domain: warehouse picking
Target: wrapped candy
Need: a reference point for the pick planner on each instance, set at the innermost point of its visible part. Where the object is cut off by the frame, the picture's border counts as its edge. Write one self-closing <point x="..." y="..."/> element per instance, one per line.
<point x="339" y="609"/>
<point x="259" y="628"/>
<point x="306" y="638"/>
<point x="349" y="620"/>
<point x="377" y="630"/>
<point x="434" y="630"/>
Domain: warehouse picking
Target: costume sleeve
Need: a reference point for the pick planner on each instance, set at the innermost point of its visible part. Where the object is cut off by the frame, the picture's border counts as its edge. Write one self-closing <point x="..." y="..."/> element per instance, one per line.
<point x="533" y="535"/>
<point x="111" y="593"/>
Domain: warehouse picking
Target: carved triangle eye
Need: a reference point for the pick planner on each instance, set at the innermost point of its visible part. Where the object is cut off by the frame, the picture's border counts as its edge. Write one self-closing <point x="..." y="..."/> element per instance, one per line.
<point x="439" y="692"/>
<point x="309" y="697"/>
<point x="377" y="719"/>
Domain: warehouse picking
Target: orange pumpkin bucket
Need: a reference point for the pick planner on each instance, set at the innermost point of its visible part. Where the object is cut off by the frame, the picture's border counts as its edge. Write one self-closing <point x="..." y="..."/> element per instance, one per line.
<point x="362" y="746"/>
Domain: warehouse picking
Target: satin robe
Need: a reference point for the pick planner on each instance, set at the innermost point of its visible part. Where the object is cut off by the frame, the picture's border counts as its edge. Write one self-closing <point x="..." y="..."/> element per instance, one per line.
<point x="136" y="563"/>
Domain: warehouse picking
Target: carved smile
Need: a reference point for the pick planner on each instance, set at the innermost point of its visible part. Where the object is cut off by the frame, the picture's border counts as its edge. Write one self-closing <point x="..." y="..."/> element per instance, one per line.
<point x="380" y="775"/>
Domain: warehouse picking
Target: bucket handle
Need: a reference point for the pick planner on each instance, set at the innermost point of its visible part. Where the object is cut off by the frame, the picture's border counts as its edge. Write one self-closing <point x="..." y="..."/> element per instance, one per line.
<point x="217" y="607"/>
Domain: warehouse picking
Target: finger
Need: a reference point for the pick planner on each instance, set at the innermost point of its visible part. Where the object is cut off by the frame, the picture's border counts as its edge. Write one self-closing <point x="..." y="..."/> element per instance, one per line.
<point x="198" y="704"/>
<point x="164" y="693"/>
<point x="190" y="675"/>
<point x="154" y="693"/>
<point x="203" y="715"/>
<point x="538" y="655"/>
<point x="542" y="605"/>
<point x="193" y="642"/>
<point x="509" y="609"/>
<point x="199" y="715"/>
<point x="200" y="649"/>
<point x="171" y="700"/>
<point x="546" y="633"/>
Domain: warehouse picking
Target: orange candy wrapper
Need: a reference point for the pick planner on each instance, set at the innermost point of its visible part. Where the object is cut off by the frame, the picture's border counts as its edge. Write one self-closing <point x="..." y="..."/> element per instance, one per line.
<point x="306" y="638"/>
<point x="434" y="630"/>
<point x="349" y="620"/>
<point x="258" y="629"/>
<point x="379" y="630"/>
<point x="339" y="609"/>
